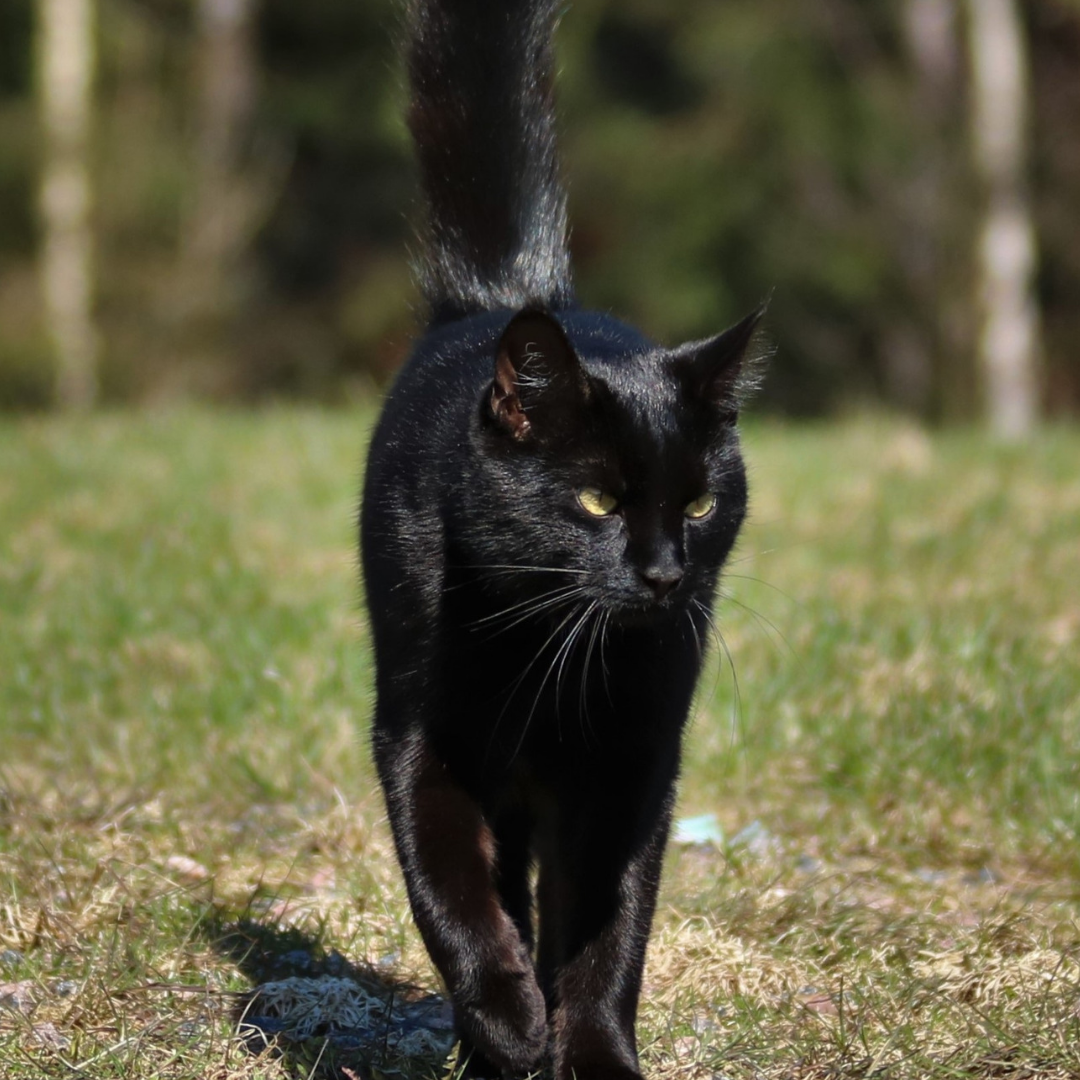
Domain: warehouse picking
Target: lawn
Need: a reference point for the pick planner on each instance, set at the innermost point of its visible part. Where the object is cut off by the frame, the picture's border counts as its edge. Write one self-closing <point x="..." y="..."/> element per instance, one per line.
<point x="888" y="737"/>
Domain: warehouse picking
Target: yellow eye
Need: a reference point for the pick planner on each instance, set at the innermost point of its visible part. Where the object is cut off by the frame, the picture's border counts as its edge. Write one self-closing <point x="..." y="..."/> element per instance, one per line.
<point x="700" y="508"/>
<point x="596" y="502"/>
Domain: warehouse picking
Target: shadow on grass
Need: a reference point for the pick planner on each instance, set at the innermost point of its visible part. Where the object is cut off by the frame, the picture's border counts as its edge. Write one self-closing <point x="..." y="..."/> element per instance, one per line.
<point x="325" y="1016"/>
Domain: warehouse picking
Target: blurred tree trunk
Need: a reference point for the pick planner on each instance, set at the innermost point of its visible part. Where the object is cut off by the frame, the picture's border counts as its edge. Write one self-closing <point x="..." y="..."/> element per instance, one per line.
<point x="1009" y="344"/>
<point x="66" y="58"/>
<point x="226" y="62"/>
<point x="226" y="204"/>
<point x="920" y="359"/>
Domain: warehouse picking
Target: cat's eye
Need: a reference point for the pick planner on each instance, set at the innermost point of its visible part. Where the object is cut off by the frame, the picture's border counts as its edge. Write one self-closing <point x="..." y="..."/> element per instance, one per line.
<point x="700" y="508"/>
<point x="596" y="501"/>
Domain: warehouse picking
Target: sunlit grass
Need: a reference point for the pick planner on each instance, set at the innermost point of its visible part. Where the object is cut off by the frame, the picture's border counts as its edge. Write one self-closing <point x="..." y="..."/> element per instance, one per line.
<point x="185" y="686"/>
<point x="914" y="672"/>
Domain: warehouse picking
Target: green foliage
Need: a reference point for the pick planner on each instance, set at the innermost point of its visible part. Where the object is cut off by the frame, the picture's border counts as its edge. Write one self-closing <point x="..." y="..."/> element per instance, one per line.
<point x="762" y="179"/>
<point x="716" y="154"/>
<point x="918" y="607"/>
<point x="16" y="49"/>
<point x="334" y="241"/>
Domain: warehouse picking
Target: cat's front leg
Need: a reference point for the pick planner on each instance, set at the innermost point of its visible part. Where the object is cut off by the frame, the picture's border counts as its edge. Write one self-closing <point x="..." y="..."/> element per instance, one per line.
<point x="447" y="852"/>
<point x="596" y="908"/>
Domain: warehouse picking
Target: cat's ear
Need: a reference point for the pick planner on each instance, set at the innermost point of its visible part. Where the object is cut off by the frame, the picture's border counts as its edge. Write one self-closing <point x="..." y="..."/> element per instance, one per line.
<point x="714" y="371"/>
<point x="539" y="384"/>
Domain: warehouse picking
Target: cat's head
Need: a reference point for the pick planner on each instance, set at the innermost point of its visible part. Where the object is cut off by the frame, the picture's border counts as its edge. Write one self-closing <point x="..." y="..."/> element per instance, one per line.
<point x="617" y="475"/>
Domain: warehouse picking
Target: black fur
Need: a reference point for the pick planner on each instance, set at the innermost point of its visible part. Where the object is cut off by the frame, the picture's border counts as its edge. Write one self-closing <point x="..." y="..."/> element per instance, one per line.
<point x="535" y="661"/>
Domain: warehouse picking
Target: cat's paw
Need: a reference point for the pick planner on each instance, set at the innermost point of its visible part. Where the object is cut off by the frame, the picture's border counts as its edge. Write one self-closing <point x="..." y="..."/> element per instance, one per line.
<point x="472" y="1065"/>
<point x="506" y="1020"/>
<point x="594" y="1070"/>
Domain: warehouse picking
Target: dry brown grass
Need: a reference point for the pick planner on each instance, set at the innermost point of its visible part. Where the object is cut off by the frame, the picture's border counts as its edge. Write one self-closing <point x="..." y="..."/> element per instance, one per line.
<point x="122" y="956"/>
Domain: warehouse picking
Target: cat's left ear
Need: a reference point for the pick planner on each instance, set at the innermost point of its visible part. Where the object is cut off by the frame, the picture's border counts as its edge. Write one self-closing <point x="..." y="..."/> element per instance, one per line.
<point x="539" y="384"/>
<point x="714" y="371"/>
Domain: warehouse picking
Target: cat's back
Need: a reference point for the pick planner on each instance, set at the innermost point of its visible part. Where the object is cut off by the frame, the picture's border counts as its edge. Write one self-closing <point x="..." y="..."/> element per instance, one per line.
<point x="427" y="411"/>
<point x="440" y="390"/>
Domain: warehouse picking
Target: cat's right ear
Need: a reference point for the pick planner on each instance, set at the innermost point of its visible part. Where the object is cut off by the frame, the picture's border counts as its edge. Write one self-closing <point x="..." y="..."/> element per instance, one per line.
<point x="539" y="384"/>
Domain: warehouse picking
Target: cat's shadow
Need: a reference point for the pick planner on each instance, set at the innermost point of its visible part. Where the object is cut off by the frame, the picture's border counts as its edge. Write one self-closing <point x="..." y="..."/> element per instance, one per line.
<point x="324" y="1016"/>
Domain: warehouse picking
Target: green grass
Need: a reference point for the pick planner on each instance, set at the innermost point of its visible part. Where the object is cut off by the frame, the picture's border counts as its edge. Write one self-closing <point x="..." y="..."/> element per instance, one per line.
<point x="187" y="808"/>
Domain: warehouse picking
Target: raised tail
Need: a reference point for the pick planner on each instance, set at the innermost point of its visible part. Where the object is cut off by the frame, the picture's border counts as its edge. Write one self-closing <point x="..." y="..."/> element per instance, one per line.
<point x="482" y="117"/>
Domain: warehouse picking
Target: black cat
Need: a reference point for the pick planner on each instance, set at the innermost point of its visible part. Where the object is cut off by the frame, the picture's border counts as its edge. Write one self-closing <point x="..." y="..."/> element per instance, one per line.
<point x="548" y="502"/>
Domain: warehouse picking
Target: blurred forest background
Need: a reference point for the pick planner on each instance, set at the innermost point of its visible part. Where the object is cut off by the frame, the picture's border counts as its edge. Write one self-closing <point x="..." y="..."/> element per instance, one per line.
<point x="213" y="199"/>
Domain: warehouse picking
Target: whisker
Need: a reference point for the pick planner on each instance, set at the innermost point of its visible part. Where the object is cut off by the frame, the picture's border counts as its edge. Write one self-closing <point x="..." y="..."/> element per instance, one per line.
<point x="583" y="696"/>
<point x="550" y="606"/>
<point x="736" y="704"/>
<point x="718" y="668"/>
<point x="517" y="568"/>
<point x="568" y="646"/>
<point x="606" y="623"/>
<point x="547" y="674"/>
<point x="531" y="603"/>
<point x="750" y="555"/>
<point x="495" y="570"/>
<point x="697" y="636"/>
<point x="767" y="584"/>
<point x="521" y="678"/>
<point x="563" y="652"/>
<point x="766" y="624"/>
<point x="699" y="648"/>
<point x="530" y="566"/>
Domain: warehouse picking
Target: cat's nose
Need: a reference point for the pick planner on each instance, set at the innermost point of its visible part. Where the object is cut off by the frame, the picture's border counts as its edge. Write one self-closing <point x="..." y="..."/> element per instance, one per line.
<point x="662" y="579"/>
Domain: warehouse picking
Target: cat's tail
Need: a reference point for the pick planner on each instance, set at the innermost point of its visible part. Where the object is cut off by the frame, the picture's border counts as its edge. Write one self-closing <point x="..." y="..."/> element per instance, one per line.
<point x="481" y="114"/>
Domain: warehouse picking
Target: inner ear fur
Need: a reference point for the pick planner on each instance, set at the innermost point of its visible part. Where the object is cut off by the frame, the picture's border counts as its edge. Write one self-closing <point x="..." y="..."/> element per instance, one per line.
<point x="538" y="382"/>
<point x="714" y="370"/>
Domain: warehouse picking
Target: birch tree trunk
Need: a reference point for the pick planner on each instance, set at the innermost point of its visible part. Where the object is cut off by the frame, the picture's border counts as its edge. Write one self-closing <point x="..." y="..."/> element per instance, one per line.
<point x="1009" y="343"/>
<point x="223" y="215"/>
<point x="66" y="58"/>
<point x="920" y="365"/>
<point x="227" y="203"/>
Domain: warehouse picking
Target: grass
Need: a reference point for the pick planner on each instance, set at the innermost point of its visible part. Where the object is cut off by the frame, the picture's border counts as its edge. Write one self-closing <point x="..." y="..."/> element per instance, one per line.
<point x="187" y="808"/>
